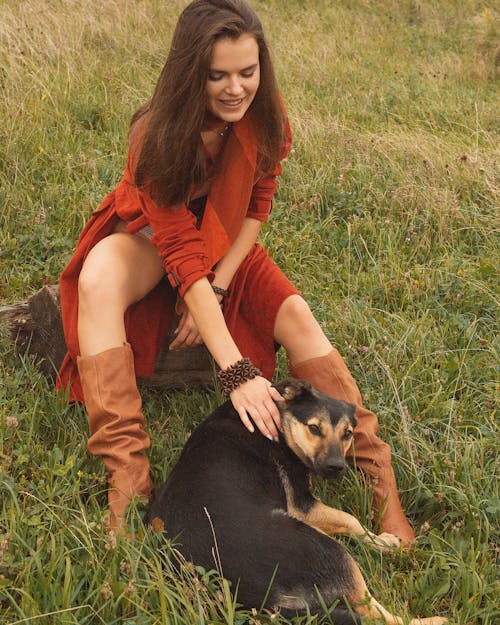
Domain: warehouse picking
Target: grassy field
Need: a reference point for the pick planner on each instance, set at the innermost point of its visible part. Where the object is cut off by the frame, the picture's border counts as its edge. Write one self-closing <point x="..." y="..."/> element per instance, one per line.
<point x="387" y="219"/>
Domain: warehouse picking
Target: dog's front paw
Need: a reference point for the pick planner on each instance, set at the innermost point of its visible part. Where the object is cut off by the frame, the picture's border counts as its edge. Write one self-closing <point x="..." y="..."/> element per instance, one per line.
<point x="388" y="541"/>
<point x="382" y="542"/>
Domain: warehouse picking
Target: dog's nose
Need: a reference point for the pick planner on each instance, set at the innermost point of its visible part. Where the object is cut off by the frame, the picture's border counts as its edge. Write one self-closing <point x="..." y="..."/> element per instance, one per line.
<point x="334" y="467"/>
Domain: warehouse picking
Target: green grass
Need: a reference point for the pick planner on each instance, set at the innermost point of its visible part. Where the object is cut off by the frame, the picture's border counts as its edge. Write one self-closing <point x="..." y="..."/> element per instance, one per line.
<point x="386" y="219"/>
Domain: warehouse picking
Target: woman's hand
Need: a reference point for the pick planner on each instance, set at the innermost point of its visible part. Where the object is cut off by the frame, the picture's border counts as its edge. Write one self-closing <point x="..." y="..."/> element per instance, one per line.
<point x="186" y="333"/>
<point x="255" y="399"/>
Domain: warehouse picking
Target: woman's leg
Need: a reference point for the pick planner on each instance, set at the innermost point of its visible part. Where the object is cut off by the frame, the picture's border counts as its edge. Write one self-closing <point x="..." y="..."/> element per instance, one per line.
<point x="120" y="270"/>
<point x="313" y="358"/>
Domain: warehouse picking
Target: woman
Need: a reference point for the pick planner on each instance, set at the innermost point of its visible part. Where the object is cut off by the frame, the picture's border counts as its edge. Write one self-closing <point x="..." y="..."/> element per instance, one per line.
<point x="179" y="234"/>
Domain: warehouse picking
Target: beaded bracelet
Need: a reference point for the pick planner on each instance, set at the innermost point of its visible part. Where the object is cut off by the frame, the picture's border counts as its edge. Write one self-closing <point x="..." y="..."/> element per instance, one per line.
<point x="218" y="290"/>
<point x="236" y="374"/>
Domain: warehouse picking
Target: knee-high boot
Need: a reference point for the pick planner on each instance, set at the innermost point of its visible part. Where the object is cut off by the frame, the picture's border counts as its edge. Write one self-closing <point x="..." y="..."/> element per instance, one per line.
<point x="116" y="422"/>
<point x="330" y="375"/>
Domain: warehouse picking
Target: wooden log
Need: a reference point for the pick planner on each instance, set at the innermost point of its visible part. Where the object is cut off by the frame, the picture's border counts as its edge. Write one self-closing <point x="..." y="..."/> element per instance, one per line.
<point x="35" y="327"/>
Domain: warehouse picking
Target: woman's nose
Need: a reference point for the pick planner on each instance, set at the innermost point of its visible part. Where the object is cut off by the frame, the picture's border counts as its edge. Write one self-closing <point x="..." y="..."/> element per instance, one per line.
<point x="234" y="86"/>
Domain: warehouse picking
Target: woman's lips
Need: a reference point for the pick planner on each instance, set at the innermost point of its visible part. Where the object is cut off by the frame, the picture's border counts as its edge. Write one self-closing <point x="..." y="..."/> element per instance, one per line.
<point x="232" y="104"/>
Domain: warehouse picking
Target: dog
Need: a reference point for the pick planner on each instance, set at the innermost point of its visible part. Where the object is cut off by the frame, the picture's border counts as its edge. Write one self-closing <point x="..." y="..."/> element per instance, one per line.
<point x="241" y="503"/>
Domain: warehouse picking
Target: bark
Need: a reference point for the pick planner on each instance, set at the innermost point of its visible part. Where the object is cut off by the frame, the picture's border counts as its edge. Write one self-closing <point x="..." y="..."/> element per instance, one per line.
<point x="35" y="327"/>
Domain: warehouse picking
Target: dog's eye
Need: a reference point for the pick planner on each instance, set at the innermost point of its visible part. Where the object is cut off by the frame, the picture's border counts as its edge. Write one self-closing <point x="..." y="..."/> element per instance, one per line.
<point x="347" y="435"/>
<point x="314" y="429"/>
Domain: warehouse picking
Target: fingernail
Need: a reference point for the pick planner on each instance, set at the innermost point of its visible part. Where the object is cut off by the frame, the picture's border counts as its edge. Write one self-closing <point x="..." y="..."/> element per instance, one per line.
<point x="276" y="439"/>
<point x="269" y="437"/>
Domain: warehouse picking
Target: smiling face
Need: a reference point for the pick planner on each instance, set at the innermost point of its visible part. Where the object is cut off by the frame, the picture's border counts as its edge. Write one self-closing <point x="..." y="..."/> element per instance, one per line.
<point x="233" y="78"/>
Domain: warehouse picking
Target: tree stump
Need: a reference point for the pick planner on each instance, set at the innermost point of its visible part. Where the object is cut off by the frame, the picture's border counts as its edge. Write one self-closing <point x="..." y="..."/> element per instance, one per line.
<point x="35" y="327"/>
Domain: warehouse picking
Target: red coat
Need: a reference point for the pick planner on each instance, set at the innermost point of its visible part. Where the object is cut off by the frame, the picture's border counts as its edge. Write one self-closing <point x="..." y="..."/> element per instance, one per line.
<point x="188" y="254"/>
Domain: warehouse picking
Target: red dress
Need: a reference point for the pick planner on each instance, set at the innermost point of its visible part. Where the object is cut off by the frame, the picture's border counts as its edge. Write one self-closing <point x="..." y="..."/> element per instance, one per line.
<point x="188" y="254"/>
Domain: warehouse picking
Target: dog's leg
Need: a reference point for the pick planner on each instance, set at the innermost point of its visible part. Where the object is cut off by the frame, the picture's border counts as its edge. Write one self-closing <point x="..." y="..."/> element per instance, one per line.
<point x="373" y="610"/>
<point x="368" y="607"/>
<point x="332" y="521"/>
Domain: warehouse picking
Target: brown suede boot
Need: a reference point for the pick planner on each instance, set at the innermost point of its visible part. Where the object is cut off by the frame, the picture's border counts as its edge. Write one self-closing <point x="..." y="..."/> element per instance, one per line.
<point x="330" y="375"/>
<point x="116" y="424"/>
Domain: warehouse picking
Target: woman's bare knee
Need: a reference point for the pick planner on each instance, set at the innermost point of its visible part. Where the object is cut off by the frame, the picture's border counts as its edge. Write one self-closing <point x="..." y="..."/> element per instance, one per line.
<point x="298" y="331"/>
<point x="119" y="271"/>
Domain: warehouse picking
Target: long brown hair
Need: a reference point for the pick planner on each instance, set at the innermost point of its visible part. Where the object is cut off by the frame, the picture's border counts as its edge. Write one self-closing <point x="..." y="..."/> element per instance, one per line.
<point x="171" y="159"/>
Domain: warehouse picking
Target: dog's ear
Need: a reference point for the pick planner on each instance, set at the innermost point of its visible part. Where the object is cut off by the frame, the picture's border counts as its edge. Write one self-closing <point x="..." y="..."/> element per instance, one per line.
<point x="351" y="413"/>
<point x="292" y="388"/>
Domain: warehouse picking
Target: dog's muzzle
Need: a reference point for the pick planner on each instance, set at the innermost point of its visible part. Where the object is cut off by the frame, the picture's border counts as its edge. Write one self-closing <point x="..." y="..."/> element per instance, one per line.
<point x="331" y="467"/>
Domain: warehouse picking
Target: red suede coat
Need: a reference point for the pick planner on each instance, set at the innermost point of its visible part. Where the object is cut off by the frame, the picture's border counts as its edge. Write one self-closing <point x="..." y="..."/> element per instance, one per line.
<point x="187" y="254"/>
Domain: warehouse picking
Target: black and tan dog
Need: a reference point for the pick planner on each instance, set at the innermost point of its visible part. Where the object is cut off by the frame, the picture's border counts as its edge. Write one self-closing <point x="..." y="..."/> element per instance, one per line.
<point x="240" y="502"/>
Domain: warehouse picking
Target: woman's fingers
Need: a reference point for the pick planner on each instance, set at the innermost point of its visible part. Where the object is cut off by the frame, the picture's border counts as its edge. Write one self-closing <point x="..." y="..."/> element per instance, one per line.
<point x="255" y="399"/>
<point x="187" y="333"/>
<point x="245" y="419"/>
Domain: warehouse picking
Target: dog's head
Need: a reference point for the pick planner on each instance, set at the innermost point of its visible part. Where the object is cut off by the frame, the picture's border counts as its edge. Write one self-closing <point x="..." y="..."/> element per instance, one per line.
<point x="317" y="428"/>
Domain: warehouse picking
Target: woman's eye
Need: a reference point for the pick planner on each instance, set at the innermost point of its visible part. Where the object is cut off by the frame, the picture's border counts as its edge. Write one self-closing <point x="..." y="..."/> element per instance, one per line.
<point x="214" y="77"/>
<point x="314" y="429"/>
<point x="248" y="74"/>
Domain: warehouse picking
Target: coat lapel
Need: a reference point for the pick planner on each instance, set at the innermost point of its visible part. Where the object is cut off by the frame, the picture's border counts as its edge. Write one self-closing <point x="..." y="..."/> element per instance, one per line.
<point x="231" y="190"/>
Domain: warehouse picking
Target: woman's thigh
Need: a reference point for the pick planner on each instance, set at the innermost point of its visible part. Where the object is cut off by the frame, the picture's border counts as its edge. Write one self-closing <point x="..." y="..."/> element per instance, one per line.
<point x="119" y="271"/>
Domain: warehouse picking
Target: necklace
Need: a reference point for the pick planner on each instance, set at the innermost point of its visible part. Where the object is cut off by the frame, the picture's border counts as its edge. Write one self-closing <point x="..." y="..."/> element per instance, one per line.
<point x="223" y="131"/>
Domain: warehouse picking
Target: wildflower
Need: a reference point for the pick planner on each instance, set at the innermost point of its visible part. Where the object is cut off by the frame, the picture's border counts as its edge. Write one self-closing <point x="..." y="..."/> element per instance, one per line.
<point x="125" y="567"/>
<point x="199" y="585"/>
<point x="41" y="149"/>
<point x="11" y="422"/>
<point x="106" y="591"/>
<point x="425" y="527"/>
<point x="111" y="542"/>
<point x="130" y="588"/>
<point x="4" y="546"/>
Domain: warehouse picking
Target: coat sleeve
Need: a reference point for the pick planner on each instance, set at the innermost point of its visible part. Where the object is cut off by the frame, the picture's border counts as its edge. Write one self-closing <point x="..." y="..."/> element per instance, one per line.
<point x="180" y="245"/>
<point x="261" y="200"/>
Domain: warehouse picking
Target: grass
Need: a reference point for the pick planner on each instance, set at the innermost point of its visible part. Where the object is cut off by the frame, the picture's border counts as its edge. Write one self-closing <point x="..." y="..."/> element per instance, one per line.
<point x="387" y="219"/>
